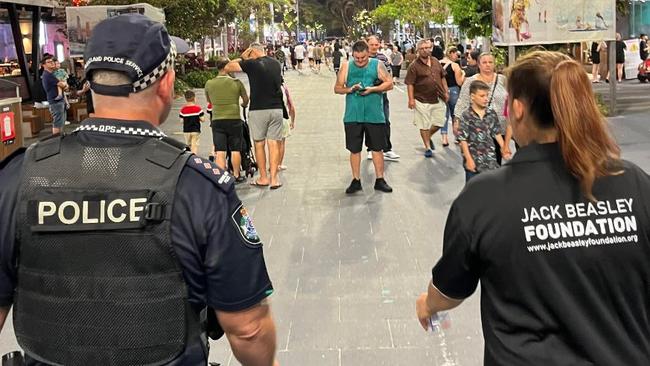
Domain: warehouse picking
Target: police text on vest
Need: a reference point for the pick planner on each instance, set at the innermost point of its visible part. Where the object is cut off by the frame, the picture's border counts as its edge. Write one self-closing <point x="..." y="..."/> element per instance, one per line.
<point x="92" y="212"/>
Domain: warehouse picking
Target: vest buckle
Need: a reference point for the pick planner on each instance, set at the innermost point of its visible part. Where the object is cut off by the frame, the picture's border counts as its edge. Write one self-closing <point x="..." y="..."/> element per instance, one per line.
<point x="154" y="211"/>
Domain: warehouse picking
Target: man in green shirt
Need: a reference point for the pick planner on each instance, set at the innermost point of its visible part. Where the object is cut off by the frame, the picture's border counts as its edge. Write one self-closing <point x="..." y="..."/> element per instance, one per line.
<point x="363" y="82"/>
<point x="223" y="92"/>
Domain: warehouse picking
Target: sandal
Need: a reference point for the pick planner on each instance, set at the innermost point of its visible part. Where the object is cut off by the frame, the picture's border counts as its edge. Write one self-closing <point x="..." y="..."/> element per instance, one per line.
<point x="257" y="184"/>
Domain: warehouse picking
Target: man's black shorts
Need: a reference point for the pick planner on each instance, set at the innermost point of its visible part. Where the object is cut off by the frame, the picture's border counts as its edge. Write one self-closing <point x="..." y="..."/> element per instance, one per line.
<point x="375" y="134"/>
<point x="227" y="134"/>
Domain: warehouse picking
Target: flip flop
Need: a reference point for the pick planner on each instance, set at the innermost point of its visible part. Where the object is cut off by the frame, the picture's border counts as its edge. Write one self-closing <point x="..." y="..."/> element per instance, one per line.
<point x="276" y="187"/>
<point x="256" y="184"/>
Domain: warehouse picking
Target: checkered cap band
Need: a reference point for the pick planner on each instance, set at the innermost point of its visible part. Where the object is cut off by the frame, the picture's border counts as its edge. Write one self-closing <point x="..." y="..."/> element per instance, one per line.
<point x="134" y="131"/>
<point x="158" y="72"/>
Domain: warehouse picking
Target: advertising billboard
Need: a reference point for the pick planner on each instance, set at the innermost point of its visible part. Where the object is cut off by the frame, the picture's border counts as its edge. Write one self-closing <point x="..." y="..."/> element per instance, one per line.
<point x="82" y="19"/>
<point x="531" y="22"/>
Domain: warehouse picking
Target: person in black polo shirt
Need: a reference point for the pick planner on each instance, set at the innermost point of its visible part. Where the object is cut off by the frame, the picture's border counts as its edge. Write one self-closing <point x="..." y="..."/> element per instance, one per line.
<point x="558" y="236"/>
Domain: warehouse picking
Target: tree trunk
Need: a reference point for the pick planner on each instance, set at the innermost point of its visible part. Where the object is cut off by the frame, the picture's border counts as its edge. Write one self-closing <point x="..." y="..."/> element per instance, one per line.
<point x="203" y="47"/>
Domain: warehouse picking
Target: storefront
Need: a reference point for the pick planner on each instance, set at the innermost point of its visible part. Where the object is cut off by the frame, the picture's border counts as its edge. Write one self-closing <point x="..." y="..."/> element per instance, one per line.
<point x="28" y="29"/>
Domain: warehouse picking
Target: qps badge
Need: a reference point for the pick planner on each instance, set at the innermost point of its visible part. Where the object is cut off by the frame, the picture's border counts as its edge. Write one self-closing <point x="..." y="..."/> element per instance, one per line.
<point x="244" y="223"/>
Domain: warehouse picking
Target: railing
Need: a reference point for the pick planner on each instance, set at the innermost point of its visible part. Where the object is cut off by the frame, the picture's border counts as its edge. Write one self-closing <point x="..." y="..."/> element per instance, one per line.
<point x="7" y="88"/>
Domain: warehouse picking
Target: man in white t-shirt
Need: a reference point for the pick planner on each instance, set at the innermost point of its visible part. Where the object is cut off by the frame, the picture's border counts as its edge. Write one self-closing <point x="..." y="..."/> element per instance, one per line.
<point x="300" y="55"/>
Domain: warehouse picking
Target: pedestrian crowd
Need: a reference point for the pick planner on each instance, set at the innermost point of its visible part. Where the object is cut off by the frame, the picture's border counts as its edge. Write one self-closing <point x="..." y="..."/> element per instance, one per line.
<point x="444" y="87"/>
<point x="441" y="93"/>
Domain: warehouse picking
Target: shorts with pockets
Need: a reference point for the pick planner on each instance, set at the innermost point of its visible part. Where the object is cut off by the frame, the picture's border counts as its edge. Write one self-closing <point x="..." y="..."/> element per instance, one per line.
<point x="57" y="109"/>
<point x="266" y="124"/>
<point x="227" y="134"/>
<point x="428" y="115"/>
<point x="374" y="133"/>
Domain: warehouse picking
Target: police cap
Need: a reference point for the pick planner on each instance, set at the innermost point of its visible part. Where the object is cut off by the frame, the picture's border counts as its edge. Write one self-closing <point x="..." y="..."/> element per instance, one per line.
<point x="131" y="44"/>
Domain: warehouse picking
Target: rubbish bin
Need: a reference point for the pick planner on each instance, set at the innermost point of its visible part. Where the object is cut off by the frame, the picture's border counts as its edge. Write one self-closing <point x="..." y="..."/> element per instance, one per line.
<point x="11" y="118"/>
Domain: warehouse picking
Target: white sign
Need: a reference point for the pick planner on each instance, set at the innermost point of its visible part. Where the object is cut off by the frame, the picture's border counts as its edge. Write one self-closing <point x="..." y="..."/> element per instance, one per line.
<point x="632" y="58"/>
<point x="531" y="22"/>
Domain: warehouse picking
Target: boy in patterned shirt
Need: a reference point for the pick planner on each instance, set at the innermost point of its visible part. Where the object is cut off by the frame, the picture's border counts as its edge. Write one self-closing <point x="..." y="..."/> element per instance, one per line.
<point x="478" y="126"/>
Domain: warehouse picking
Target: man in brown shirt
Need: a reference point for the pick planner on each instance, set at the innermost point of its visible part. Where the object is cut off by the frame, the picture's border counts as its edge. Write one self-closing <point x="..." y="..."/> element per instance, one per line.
<point x="427" y="93"/>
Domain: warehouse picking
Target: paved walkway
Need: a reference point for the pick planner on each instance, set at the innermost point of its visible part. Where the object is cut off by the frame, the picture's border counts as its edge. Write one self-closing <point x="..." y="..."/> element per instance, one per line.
<point x="347" y="269"/>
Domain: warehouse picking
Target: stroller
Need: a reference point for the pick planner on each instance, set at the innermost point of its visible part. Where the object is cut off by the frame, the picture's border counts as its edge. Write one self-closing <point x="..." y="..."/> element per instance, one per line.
<point x="248" y="163"/>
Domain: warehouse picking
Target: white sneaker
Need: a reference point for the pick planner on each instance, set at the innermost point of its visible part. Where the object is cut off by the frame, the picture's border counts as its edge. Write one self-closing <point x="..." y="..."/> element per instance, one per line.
<point x="369" y="155"/>
<point x="391" y="155"/>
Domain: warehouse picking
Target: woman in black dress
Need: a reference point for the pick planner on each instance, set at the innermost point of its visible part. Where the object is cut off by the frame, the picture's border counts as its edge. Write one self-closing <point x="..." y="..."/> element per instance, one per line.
<point x="620" y="58"/>
<point x="596" y="47"/>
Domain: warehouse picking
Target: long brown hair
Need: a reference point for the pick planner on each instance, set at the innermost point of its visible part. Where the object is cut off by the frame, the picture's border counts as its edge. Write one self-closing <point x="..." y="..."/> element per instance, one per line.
<point x="559" y="95"/>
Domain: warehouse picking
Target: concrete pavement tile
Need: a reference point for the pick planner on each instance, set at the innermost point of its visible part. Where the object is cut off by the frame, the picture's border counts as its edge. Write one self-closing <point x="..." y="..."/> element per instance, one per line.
<point x="345" y="335"/>
<point x="390" y="357"/>
<point x="311" y="358"/>
<point x="334" y="286"/>
<point x="379" y="307"/>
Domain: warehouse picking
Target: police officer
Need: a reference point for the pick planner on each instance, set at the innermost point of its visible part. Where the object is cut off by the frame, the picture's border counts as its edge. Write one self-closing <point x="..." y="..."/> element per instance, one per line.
<point x="558" y="237"/>
<point x="114" y="239"/>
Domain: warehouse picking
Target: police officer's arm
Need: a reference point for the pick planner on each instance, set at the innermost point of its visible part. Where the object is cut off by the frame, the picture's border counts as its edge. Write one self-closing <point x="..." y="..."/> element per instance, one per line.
<point x="216" y="239"/>
<point x="238" y="283"/>
<point x="251" y="334"/>
<point x="10" y="175"/>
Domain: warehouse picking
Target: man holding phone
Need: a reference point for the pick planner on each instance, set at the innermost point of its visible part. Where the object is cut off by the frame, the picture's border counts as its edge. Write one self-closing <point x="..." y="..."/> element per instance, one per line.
<point x="427" y="94"/>
<point x="363" y="81"/>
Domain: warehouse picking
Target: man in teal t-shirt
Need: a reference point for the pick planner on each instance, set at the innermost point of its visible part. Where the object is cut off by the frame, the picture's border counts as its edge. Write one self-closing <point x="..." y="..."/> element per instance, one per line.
<point x="363" y="81"/>
<point x="223" y="92"/>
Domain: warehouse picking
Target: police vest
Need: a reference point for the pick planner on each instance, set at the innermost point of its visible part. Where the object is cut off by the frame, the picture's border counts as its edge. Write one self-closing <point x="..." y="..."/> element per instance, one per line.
<point x="98" y="280"/>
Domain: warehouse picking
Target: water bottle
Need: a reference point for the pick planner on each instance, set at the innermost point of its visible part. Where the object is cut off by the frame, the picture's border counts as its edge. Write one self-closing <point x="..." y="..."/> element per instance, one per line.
<point x="439" y="321"/>
<point x="14" y="358"/>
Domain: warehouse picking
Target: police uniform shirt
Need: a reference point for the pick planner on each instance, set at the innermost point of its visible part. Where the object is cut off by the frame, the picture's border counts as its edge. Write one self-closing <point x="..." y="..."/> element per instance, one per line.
<point x="212" y="234"/>
<point x="564" y="281"/>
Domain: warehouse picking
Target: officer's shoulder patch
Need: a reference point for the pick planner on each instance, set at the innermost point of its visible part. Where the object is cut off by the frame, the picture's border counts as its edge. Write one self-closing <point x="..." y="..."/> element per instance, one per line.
<point x="221" y="178"/>
<point x="244" y="223"/>
<point x="4" y="162"/>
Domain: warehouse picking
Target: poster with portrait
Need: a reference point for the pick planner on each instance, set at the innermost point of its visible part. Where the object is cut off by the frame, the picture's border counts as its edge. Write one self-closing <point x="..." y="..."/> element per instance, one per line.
<point x="531" y="22"/>
<point x="82" y="19"/>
